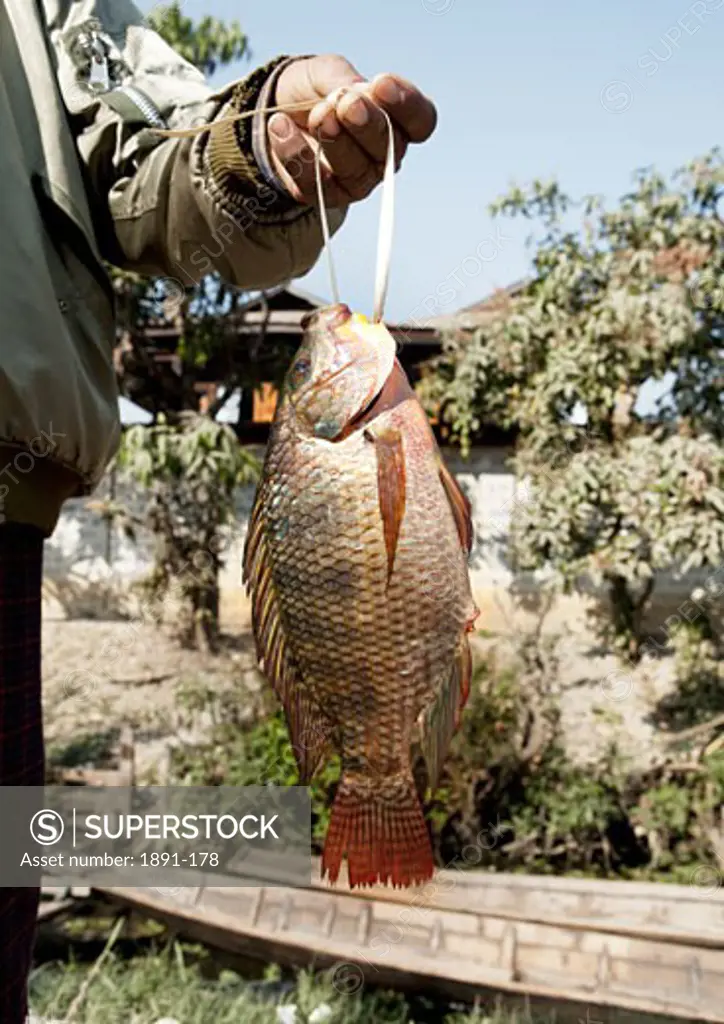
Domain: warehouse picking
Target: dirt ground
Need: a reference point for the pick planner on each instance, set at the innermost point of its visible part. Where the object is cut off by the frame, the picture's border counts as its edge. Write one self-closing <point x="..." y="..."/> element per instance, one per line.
<point x="99" y="675"/>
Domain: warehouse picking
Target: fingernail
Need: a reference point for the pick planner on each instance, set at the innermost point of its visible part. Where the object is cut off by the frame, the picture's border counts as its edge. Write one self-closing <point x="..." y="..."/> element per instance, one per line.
<point x="329" y="128"/>
<point x="280" y="126"/>
<point x="357" y="113"/>
<point x="388" y="91"/>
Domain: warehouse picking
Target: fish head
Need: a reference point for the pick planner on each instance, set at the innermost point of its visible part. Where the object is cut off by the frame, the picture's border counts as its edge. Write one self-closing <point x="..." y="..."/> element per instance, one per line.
<point x="339" y="370"/>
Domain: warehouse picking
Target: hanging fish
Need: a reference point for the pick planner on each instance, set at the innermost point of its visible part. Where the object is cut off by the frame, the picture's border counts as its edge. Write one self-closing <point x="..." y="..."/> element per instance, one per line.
<point x="356" y="563"/>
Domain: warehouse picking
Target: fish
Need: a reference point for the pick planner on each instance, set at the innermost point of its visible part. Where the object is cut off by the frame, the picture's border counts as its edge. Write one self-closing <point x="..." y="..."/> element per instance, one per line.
<point x="356" y="565"/>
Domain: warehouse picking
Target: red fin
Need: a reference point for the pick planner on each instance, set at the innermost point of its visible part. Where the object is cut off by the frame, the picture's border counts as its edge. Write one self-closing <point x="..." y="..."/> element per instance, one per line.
<point x="310" y="733"/>
<point x="461" y="507"/>
<point x="390" y="487"/>
<point x="309" y="729"/>
<point x="440" y="719"/>
<point x="466" y="675"/>
<point x="383" y="834"/>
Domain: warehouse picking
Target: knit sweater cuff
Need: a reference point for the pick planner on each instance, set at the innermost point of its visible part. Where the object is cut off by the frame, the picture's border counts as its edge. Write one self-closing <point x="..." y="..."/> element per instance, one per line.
<point x="237" y="158"/>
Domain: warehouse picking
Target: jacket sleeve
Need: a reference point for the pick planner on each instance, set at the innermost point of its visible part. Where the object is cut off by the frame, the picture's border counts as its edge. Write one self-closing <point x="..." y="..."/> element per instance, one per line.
<point x="176" y="207"/>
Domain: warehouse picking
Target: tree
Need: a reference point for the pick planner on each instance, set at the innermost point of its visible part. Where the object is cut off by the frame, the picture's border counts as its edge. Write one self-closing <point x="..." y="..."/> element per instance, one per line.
<point x="191" y="472"/>
<point x="209" y="44"/>
<point x="632" y="295"/>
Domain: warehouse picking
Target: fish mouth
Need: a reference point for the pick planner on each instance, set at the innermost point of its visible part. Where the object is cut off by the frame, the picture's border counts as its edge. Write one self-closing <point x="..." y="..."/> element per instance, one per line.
<point x="369" y="348"/>
<point x="328" y="316"/>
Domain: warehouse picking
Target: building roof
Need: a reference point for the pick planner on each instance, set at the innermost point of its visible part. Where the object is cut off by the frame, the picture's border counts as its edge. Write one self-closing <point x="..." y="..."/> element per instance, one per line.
<point x="478" y="313"/>
<point x="287" y="307"/>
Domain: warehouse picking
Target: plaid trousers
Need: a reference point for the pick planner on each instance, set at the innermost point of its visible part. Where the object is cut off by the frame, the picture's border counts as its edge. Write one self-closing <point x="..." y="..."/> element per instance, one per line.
<point x="21" y="740"/>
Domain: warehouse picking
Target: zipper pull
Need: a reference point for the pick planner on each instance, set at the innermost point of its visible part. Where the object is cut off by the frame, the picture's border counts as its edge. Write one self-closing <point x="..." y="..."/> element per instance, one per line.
<point x="99" y="79"/>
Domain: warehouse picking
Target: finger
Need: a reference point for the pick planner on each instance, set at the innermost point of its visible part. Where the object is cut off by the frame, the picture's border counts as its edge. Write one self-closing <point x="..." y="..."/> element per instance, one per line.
<point x="293" y="156"/>
<point x="365" y="122"/>
<point x="314" y="77"/>
<point x="413" y="112"/>
<point x="353" y="168"/>
<point x="329" y="120"/>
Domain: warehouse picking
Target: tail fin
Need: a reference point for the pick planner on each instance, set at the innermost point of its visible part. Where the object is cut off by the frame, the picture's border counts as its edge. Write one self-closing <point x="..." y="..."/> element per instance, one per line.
<point x="381" y="829"/>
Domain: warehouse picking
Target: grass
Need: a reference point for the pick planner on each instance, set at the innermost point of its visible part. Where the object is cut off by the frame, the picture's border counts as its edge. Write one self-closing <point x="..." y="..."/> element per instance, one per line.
<point x="154" y="986"/>
<point x="91" y="748"/>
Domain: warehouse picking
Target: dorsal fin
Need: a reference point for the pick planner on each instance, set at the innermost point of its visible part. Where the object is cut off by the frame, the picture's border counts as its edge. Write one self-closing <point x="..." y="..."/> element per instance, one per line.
<point x="461" y="507"/>
<point x="309" y="730"/>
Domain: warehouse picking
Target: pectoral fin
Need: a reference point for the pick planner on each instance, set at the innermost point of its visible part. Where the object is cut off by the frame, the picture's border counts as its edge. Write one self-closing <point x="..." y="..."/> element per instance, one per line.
<point x="309" y="730"/>
<point x="461" y="507"/>
<point x="390" y="486"/>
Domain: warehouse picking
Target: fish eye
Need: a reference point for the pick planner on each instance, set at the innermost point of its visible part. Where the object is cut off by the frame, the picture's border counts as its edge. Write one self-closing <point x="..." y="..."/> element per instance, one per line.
<point x="300" y="372"/>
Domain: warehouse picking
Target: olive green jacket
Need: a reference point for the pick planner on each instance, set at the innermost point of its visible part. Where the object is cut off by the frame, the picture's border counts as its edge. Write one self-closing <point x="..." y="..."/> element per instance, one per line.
<point x="83" y="178"/>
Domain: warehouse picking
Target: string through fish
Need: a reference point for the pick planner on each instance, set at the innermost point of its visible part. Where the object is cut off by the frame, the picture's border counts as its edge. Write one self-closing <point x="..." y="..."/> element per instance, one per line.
<point x="326" y="233"/>
<point x="387" y="202"/>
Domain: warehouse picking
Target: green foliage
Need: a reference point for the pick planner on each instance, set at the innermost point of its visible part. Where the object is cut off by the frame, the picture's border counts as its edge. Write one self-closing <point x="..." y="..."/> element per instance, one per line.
<point x="619" y="514"/>
<point x="181" y="982"/>
<point x="208" y="44"/>
<point x="511" y="794"/>
<point x="191" y="471"/>
<point x="680" y="815"/>
<point x="86" y="748"/>
<point x="199" y="451"/>
<point x="548" y="815"/>
<point x="699" y="675"/>
<point x="634" y="294"/>
<point x="245" y="749"/>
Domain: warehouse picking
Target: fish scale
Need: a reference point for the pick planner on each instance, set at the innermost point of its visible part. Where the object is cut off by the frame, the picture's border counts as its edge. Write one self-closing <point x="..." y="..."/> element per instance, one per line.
<point x="357" y="564"/>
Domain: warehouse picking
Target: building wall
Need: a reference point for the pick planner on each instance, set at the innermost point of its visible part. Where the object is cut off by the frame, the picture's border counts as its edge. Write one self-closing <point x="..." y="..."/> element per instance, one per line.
<point x="86" y="554"/>
<point x="89" y="565"/>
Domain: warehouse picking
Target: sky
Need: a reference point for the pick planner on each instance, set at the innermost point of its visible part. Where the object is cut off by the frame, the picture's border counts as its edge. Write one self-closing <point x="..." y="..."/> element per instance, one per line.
<point x="584" y="92"/>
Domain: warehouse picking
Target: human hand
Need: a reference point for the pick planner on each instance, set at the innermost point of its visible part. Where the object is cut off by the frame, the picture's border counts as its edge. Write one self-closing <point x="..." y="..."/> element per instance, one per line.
<point x="349" y="126"/>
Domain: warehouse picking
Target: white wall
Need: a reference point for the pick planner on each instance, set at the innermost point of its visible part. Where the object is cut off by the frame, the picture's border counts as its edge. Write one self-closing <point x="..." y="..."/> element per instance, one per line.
<point x="79" y="547"/>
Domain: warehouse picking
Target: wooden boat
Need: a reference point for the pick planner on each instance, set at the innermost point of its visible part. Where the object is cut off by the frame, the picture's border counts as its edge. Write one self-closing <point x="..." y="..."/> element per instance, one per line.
<point x="594" y="950"/>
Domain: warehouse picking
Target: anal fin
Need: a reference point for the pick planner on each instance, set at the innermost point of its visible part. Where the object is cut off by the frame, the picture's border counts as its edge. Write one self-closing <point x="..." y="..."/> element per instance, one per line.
<point x="441" y="718"/>
<point x="310" y="734"/>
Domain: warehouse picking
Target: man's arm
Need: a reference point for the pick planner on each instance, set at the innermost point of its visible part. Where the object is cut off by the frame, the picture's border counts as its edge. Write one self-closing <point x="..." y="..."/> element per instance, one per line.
<point x="175" y="207"/>
<point x="240" y="199"/>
